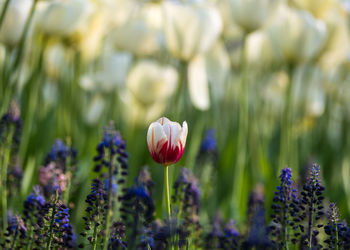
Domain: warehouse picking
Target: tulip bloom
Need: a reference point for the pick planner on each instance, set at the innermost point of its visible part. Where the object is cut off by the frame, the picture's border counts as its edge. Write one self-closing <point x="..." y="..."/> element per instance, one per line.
<point x="166" y="141"/>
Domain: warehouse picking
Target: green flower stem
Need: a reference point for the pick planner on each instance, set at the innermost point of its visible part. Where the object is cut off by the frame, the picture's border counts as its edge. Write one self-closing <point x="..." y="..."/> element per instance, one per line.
<point x="242" y="138"/>
<point x="21" y="46"/>
<point x="3" y="12"/>
<point x="336" y="247"/>
<point x="109" y="215"/>
<point x="5" y="156"/>
<point x="166" y="181"/>
<point x="52" y="221"/>
<point x="94" y="246"/>
<point x="285" y="141"/>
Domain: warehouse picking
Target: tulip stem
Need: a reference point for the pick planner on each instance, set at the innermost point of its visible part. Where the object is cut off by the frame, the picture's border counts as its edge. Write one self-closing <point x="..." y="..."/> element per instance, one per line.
<point x="166" y="179"/>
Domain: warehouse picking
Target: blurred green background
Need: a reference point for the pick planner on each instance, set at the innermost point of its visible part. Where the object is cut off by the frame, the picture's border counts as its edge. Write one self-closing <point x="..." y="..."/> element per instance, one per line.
<point x="271" y="77"/>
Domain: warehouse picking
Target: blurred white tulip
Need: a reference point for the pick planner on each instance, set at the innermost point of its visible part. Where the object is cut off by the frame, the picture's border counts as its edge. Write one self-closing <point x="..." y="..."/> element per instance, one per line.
<point x="14" y="21"/>
<point x="318" y="8"/>
<point x="148" y="89"/>
<point x="94" y="110"/>
<point x="296" y="35"/>
<point x="90" y="34"/>
<point x="63" y="17"/>
<point x="55" y="59"/>
<point x="111" y="73"/>
<point x="337" y="48"/>
<point x="190" y="29"/>
<point x="217" y="63"/>
<point x="142" y="33"/>
<point x="259" y="49"/>
<point x="251" y="15"/>
<point x="198" y="83"/>
<point x="151" y="82"/>
<point x="139" y="114"/>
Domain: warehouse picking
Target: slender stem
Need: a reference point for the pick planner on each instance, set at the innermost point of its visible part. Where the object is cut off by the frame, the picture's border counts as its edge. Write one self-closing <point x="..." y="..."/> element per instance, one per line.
<point x="95" y="237"/>
<point x="242" y="139"/>
<point x="166" y="180"/>
<point x="69" y="181"/>
<point x="5" y="160"/>
<point x="3" y="12"/>
<point x="310" y="223"/>
<point x="110" y="201"/>
<point x="285" y="230"/>
<point x="14" y="239"/>
<point x="19" y="55"/>
<point x="285" y="142"/>
<point x="48" y="246"/>
<point x="336" y="247"/>
<point x="29" y="245"/>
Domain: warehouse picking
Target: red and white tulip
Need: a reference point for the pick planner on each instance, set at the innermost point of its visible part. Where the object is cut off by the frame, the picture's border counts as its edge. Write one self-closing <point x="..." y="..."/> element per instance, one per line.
<point x="166" y="141"/>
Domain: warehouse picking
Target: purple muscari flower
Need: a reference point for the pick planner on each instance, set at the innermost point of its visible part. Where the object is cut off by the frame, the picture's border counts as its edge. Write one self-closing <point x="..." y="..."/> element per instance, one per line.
<point x="137" y="211"/>
<point x="16" y="225"/>
<point x="230" y="230"/>
<point x="33" y="203"/>
<point x="15" y="237"/>
<point x="187" y="191"/>
<point x="258" y="231"/>
<point x="53" y="223"/>
<point x="61" y="154"/>
<point x="163" y="233"/>
<point x="111" y="156"/>
<point x="213" y="238"/>
<point x="117" y="238"/>
<point x="96" y="200"/>
<point x="114" y="185"/>
<point x="145" y="179"/>
<point x="52" y="179"/>
<point x="312" y="207"/>
<point x="209" y="142"/>
<point x="285" y="211"/>
<point x="336" y="231"/>
<point x="187" y="196"/>
<point x="11" y="125"/>
<point x="230" y="239"/>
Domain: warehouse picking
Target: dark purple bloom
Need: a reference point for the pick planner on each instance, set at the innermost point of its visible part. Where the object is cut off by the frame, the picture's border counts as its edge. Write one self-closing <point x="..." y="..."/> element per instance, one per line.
<point x="33" y="204"/>
<point x="62" y="155"/>
<point x="209" y="142"/>
<point x="336" y="231"/>
<point x="138" y="212"/>
<point x="285" y="211"/>
<point x="311" y="206"/>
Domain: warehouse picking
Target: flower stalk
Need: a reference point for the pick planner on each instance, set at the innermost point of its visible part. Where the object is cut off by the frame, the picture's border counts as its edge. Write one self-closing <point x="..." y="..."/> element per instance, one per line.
<point x="166" y="181"/>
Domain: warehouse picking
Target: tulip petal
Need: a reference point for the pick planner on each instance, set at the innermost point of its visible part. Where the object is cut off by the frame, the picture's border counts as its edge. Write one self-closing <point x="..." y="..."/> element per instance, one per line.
<point x="155" y="137"/>
<point x="163" y="120"/>
<point x="183" y="135"/>
<point x="198" y="83"/>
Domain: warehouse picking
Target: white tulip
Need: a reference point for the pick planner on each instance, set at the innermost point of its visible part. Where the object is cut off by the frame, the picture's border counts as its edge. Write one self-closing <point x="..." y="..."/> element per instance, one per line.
<point x="217" y="63"/>
<point x="252" y="14"/>
<point x="318" y="8"/>
<point x="14" y="21"/>
<point x="337" y="49"/>
<point x="151" y="82"/>
<point x="259" y="49"/>
<point x="141" y="34"/>
<point x="296" y="35"/>
<point x="190" y="29"/>
<point x="198" y="83"/>
<point x="63" y="17"/>
<point x="94" y="110"/>
<point x="111" y="74"/>
<point x="138" y="113"/>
